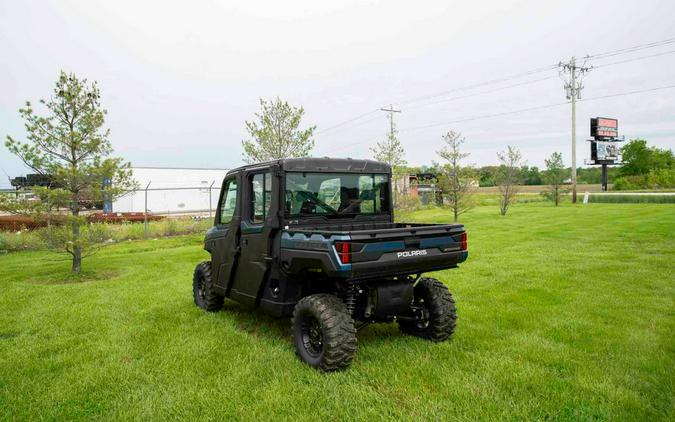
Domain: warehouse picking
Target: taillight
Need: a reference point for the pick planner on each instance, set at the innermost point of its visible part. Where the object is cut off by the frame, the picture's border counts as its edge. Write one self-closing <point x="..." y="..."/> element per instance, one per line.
<point x="462" y="241"/>
<point x="344" y="250"/>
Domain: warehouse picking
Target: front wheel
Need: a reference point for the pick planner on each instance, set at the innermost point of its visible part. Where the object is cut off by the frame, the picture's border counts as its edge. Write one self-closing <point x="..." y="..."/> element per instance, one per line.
<point x="434" y="309"/>
<point x="324" y="332"/>
<point x="203" y="290"/>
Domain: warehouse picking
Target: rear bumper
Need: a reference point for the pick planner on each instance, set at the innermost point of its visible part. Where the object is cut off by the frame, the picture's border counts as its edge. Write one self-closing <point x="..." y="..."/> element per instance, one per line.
<point x="389" y="264"/>
<point x="393" y="263"/>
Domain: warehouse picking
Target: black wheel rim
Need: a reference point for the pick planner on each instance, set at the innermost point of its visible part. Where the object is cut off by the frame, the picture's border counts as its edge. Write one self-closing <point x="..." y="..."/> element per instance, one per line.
<point x="422" y="314"/>
<point x="312" y="336"/>
<point x="201" y="289"/>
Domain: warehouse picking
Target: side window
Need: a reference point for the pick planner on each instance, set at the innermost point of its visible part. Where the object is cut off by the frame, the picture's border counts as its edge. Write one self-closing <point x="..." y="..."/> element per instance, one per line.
<point x="229" y="202"/>
<point x="261" y="197"/>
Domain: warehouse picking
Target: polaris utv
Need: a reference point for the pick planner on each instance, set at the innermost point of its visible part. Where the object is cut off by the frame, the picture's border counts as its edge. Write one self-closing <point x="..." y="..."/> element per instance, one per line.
<point x="315" y="239"/>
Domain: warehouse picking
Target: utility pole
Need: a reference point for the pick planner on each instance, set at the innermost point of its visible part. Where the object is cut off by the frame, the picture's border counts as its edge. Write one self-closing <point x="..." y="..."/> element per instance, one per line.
<point x="391" y="112"/>
<point x="573" y="87"/>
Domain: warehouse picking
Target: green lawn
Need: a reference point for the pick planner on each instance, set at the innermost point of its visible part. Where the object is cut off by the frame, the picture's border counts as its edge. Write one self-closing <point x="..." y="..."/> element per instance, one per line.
<point x="565" y="313"/>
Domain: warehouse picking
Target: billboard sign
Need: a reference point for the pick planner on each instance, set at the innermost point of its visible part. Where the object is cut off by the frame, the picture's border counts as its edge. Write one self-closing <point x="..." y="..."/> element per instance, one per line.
<point x="605" y="151"/>
<point x="603" y="127"/>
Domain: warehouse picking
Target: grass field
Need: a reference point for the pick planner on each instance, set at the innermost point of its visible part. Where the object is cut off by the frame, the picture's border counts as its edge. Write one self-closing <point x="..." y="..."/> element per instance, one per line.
<point x="565" y="313"/>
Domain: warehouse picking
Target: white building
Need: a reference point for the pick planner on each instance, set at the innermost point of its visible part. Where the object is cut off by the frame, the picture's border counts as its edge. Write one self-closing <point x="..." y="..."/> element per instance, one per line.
<point x="172" y="190"/>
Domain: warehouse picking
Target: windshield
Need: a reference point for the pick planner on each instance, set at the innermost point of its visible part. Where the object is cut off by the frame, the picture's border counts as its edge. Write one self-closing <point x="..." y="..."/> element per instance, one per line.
<point x="336" y="194"/>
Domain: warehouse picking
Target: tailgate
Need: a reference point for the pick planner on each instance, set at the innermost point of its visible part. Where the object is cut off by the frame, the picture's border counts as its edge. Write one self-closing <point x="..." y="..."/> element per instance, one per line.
<point x="404" y="249"/>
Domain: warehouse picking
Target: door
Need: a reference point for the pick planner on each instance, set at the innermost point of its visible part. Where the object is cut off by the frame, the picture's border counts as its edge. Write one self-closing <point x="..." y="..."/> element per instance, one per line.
<point x="225" y="235"/>
<point x="251" y="272"/>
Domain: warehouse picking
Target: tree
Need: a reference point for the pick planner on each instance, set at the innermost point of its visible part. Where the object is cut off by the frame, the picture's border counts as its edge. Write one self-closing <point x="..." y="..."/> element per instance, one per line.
<point x="486" y="176"/>
<point x="275" y="134"/>
<point x="639" y="159"/>
<point x="531" y="175"/>
<point x="508" y="177"/>
<point x="636" y="158"/>
<point x="456" y="180"/>
<point x="593" y="175"/>
<point x="390" y="151"/>
<point x="70" y="146"/>
<point x="554" y="176"/>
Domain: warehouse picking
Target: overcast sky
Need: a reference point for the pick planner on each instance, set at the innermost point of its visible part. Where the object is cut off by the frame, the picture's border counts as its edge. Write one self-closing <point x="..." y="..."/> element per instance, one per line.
<point x="179" y="78"/>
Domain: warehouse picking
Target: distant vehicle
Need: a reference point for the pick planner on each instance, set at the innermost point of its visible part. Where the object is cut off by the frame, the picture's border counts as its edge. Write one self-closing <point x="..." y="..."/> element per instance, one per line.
<point x="315" y="239"/>
<point x="25" y="184"/>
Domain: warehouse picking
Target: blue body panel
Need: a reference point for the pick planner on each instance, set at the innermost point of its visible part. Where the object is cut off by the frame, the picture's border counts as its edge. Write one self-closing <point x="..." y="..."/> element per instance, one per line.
<point x="316" y="242"/>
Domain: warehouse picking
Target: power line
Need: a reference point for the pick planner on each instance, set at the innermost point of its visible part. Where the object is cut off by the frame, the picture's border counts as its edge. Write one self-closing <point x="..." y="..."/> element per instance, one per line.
<point x="351" y="144"/>
<point x="478" y="85"/>
<point x="449" y="100"/>
<point x="634" y="59"/>
<point x="596" y="56"/>
<point x="482" y="92"/>
<point x="498" y="89"/>
<point x="631" y="49"/>
<point x="360" y="123"/>
<point x="522" y="110"/>
<point x="485" y="116"/>
<point x="468" y="87"/>
<point x="621" y="94"/>
<point x="392" y="127"/>
<point x="506" y="113"/>
<point x="360" y="116"/>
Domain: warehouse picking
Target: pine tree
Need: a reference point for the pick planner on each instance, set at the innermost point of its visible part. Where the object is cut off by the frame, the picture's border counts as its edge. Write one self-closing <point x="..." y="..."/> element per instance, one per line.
<point x="70" y="147"/>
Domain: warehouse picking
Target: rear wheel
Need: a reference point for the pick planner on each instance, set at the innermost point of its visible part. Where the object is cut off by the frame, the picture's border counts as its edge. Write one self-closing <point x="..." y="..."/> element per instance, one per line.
<point x="324" y="332"/>
<point x="434" y="310"/>
<point x="202" y="287"/>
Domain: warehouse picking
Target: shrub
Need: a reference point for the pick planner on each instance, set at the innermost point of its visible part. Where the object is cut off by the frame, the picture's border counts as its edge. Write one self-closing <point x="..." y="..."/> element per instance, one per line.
<point x="407" y="202"/>
<point x="630" y="183"/>
<point x="172" y="227"/>
<point x="22" y="240"/>
<point x="661" y="179"/>
<point x="100" y="233"/>
<point x="655" y="179"/>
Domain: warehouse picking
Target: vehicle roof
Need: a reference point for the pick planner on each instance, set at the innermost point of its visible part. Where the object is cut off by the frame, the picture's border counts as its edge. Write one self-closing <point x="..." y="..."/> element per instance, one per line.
<point x="322" y="164"/>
